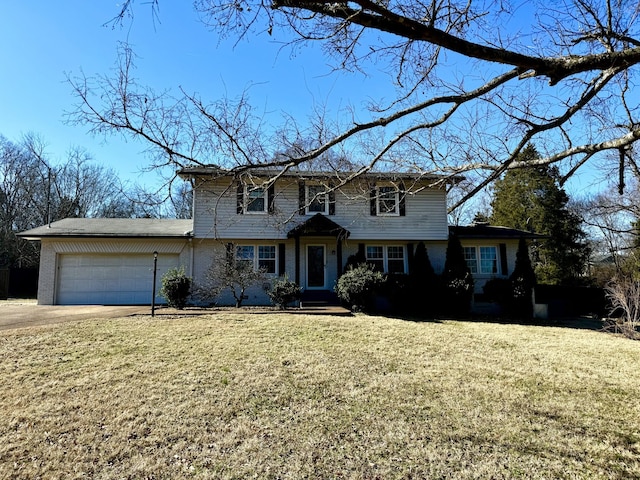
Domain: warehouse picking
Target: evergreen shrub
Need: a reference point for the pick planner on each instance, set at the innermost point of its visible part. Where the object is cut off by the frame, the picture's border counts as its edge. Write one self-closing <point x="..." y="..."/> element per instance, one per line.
<point x="176" y="287"/>
<point x="284" y="292"/>
<point x="357" y="287"/>
<point x="457" y="280"/>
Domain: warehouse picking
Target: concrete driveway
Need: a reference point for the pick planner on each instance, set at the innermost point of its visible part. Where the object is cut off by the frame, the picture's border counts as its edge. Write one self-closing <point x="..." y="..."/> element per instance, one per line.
<point x="19" y="314"/>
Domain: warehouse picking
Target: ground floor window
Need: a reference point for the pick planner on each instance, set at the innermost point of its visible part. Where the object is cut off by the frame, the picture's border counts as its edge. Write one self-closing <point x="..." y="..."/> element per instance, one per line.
<point x="259" y="256"/>
<point x="483" y="260"/>
<point x="389" y="259"/>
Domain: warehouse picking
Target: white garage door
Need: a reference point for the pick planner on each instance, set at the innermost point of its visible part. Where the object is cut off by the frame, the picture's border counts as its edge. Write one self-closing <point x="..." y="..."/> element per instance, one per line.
<point x="110" y="279"/>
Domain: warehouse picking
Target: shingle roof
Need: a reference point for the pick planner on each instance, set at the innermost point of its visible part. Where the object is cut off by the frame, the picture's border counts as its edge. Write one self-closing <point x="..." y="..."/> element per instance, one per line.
<point x="319" y="225"/>
<point x="112" y="227"/>
<point x="311" y="174"/>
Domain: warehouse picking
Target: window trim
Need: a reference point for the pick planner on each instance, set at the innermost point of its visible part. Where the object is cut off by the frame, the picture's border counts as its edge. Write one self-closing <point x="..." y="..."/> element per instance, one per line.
<point x="385" y="256"/>
<point x="247" y="200"/>
<point x="308" y="199"/>
<point x="477" y="249"/>
<point x="256" y="256"/>
<point x="379" y="197"/>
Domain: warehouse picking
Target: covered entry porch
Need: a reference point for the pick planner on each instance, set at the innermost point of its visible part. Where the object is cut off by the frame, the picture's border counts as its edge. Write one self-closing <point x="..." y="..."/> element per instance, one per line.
<point x="318" y="258"/>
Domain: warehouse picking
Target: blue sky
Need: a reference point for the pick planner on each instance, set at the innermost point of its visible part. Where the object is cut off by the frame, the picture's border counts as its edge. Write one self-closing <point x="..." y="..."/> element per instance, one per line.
<point x="42" y="41"/>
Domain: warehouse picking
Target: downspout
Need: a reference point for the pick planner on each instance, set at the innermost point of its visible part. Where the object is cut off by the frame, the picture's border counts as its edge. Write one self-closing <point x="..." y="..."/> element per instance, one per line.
<point x="339" y="255"/>
<point x="191" y="257"/>
<point x="297" y="252"/>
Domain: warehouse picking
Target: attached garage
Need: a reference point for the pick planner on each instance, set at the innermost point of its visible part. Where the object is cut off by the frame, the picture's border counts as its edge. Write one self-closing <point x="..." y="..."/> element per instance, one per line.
<point x="110" y="279"/>
<point x="90" y="261"/>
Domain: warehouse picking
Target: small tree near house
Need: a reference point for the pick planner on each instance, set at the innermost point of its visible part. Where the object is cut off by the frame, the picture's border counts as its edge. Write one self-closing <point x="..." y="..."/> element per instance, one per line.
<point x="229" y="272"/>
<point x="422" y="281"/>
<point x="457" y="278"/>
<point x="523" y="281"/>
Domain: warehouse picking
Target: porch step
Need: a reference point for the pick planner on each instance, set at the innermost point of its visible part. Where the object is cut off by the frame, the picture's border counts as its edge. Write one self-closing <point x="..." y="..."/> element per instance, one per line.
<point x="318" y="298"/>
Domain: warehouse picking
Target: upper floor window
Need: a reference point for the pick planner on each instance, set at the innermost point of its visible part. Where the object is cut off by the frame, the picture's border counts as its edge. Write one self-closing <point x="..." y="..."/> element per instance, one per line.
<point x="389" y="259"/>
<point x="388" y="200"/>
<point x="317" y="201"/>
<point x="255" y="199"/>
<point x="483" y="260"/>
<point x="316" y="198"/>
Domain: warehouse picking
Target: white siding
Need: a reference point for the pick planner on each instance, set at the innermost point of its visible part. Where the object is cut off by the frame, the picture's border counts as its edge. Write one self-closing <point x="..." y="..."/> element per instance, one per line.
<point x="215" y="214"/>
<point x="205" y="253"/>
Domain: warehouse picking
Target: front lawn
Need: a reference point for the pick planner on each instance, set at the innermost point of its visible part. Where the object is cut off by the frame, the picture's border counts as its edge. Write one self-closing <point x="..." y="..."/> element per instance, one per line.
<point x="240" y="395"/>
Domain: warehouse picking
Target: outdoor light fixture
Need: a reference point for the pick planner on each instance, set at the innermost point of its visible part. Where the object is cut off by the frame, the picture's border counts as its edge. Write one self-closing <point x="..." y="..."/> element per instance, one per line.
<point x="153" y="294"/>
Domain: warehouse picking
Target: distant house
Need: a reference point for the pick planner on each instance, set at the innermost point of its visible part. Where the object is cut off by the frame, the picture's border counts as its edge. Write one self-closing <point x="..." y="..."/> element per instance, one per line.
<point x="300" y="224"/>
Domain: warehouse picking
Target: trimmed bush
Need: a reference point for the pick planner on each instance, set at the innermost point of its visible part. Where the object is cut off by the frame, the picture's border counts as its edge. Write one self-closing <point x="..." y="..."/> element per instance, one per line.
<point x="284" y="292"/>
<point x="498" y="290"/>
<point x="523" y="281"/>
<point x="358" y="286"/>
<point x="457" y="279"/>
<point x="176" y="287"/>
<point x="421" y="290"/>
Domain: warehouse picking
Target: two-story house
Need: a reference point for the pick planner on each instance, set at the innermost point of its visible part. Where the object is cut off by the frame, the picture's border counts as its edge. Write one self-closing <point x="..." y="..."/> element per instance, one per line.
<point x="302" y="224"/>
<point x="305" y="225"/>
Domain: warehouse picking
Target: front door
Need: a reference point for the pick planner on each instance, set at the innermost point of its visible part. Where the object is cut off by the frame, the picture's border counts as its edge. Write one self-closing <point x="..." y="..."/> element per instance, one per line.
<point x="316" y="262"/>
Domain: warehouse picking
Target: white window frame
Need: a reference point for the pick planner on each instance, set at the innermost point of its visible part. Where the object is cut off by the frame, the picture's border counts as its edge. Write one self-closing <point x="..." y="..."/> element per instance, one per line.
<point x="261" y="258"/>
<point x="471" y="260"/>
<point x="494" y="259"/>
<point x="395" y="259"/>
<point x="257" y="256"/>
<point x="476" y="265"/>
<point x="248" y="190"/>
<point x="382" y="194"/>
<point x="321" y="197"/>
<point x="385" y="256"/>
<point x="375" y="260"/>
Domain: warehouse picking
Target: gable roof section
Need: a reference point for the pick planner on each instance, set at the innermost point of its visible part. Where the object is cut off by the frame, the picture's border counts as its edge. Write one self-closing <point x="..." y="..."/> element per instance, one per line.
<point x="112" y="227"/>
<point x="319" y="226"/>
<point x="480" y="231"/>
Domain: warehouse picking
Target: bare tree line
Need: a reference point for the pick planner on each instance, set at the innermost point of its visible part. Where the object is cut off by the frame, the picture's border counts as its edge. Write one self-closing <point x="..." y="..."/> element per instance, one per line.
<point x="35" y="191"/>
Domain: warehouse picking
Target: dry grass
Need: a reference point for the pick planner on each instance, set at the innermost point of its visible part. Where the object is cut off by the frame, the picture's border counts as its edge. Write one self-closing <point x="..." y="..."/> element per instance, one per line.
<point x="280" y="396"/>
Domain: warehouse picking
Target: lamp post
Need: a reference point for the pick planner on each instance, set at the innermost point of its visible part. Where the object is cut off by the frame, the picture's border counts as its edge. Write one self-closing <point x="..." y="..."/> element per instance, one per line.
<point x="153" y="294"/>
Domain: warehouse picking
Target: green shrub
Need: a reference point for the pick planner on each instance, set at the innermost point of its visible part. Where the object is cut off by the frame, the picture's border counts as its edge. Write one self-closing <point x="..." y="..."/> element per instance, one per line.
<point x="498" y="290"/>
<point x="523" y="281"/>
<point x="284" y="292"/>
<point x="176" y="287"/>
<point x="358" y="286"/>
<point x="457" y="279"/>
<point x="396" y="290"/>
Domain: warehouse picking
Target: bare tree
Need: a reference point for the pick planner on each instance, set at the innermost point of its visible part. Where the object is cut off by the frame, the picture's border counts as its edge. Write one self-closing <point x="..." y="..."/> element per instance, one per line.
<point x="624" y="295"/>
<point x="472" y="88"/>
<point x="229" y="271"/>
<point x="36" y="191"/>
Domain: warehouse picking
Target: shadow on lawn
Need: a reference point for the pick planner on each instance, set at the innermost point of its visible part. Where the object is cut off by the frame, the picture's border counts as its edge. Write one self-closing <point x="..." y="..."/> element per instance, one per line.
<point x="586" y="322"/>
